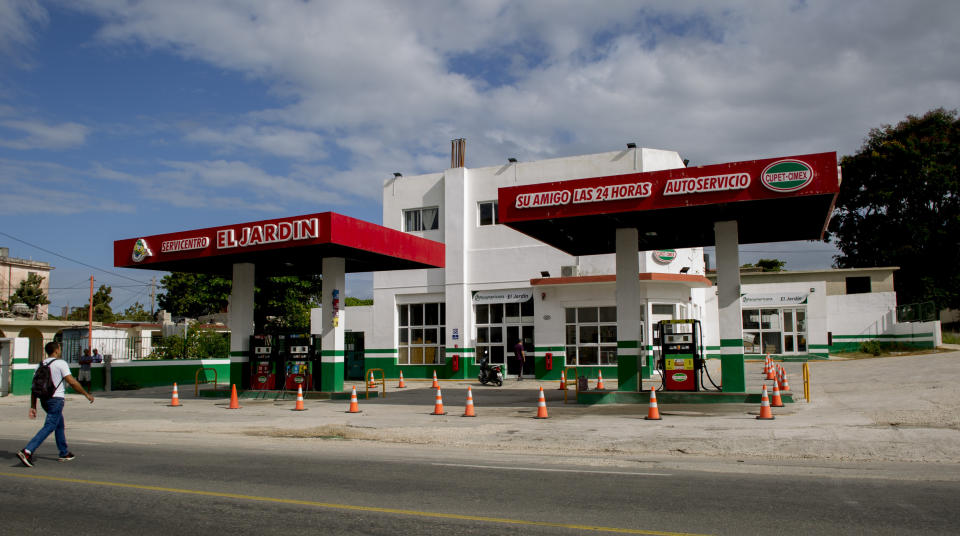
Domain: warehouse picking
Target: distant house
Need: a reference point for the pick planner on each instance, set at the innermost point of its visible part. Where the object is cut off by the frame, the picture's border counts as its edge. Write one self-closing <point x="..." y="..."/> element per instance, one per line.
<point x="12" y="272"/>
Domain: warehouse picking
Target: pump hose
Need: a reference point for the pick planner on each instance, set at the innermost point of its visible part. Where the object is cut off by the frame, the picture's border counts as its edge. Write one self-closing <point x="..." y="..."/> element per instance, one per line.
<point x="706" y="368"/>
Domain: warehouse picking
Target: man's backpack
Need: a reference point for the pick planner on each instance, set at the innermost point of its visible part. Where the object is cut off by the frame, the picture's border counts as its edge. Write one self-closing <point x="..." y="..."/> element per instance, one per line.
<point x="43" y="387"/>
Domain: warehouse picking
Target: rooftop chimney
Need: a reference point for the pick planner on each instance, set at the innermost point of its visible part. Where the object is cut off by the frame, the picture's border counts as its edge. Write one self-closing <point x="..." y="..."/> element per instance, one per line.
<point x="457" y="149"/>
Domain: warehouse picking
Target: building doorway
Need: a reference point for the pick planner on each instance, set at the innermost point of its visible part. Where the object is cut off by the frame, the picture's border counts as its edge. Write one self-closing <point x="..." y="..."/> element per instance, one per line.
<point x="499" y="326"/>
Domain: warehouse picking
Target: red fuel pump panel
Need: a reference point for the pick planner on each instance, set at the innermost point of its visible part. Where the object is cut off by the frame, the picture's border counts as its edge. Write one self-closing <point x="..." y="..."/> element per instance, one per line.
<point x="680" y="373"/>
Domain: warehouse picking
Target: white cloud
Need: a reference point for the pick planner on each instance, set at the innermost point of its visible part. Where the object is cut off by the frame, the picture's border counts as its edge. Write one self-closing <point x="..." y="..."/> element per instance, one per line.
<point x="278" y="141"/>
<point x="380" y="86"/>
<point x="47" y="188"/>
<point x="37" y="135"/>
<point x="17" y="21"/>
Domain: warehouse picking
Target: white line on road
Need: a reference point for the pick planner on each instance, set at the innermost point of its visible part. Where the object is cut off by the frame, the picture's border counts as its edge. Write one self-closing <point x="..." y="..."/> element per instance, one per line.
<point x="546" y="470"/>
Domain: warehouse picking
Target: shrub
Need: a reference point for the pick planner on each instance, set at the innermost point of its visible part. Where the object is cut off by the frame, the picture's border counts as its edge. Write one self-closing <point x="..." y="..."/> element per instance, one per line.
<point x="871" y="347"/>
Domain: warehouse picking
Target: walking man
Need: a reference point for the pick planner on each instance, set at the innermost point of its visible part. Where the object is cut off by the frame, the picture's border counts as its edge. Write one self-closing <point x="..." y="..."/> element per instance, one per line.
<point x="53" y="406"/>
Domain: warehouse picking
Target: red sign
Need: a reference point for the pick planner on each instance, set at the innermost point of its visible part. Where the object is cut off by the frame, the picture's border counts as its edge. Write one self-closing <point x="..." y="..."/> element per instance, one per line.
<point x="343" y="236"/>
<point x="772" y="178"/>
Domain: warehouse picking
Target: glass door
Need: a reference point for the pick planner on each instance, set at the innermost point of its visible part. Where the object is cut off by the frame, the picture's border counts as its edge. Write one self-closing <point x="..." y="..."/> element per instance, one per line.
<point x="794" y="330"/>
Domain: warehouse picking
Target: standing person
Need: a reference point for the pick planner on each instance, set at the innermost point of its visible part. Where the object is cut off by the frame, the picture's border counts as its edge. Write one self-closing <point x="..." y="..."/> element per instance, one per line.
<point x="518" y="355"/>
<point x="84" y="375"/>
<point x="59" y="373"/>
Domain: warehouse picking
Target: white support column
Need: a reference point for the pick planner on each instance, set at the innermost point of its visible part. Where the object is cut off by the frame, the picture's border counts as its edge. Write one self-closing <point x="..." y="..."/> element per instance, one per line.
<point x="728" y="304"/>
<point x="331" y="330"/>
<point x="629" y="337"/>
<point x="240" y="318"/>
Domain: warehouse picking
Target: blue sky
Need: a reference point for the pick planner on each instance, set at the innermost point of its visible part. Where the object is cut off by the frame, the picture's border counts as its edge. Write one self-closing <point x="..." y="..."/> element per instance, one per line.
<point x="120" y="119"/>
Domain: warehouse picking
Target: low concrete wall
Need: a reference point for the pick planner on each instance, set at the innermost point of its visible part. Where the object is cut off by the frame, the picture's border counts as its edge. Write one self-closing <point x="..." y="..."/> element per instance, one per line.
<point x="135" y="373"/>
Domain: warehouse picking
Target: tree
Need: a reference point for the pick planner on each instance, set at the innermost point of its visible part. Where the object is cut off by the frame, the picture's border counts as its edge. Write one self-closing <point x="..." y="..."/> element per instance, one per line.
<point x="193" y="295"/>
<point x="136" y="313"/>
<point x="281" y="302"/>
<point x="102" y="312"/>
<point x="30" y="292"/>
<point x="899" y="205"/>
<point x="284" y="302"/>
<point x="354" y="302"/>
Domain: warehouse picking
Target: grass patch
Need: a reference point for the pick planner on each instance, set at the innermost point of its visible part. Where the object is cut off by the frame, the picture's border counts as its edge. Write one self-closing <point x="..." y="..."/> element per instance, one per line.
<point x="951" y="337"/>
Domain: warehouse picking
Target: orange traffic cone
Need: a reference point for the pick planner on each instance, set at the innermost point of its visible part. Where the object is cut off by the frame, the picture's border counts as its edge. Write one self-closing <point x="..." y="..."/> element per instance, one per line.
<point x="563" y="380"/>
<point x="786" y="384"/>
<point x="401" y="385"/>
<point x="299" y="406"/>
<point x="175" y="401"/>
<point x="766" y="365"/>
<point x="775" y="400"/>
<point x="354" y="405"/>
<point x="234" y="403"/>
<point x="372" y="384"/>
<point x="438" y="406"/>
<point x="653" y="413"/>
<point x="771" y="375"/>
<point x="435" y="384"/>
<point x="468" y="411"/>
<point x="600" y="380"/>
<point x="766" y="413"/>
<point x="542" y="406"/>
<point x="780" y="375"/>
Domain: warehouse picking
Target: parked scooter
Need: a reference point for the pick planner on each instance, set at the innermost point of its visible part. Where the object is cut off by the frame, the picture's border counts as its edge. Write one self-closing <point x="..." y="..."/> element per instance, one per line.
<point x="490" y="374"/>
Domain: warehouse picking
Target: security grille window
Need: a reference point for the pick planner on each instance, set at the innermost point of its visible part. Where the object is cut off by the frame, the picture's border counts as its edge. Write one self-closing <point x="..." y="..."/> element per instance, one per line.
<point x="421" y="333"/>
<point x="488" y="213"/>
<point x="591" y="335"/>
<point x="421" y="219"/>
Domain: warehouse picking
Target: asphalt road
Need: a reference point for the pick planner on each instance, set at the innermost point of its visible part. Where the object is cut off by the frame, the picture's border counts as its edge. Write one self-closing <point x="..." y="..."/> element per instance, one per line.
<point x="348" y="487"/>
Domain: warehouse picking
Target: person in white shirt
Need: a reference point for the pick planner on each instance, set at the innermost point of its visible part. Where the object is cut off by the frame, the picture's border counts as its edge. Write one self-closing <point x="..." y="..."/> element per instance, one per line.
<point x="59" y="373"/>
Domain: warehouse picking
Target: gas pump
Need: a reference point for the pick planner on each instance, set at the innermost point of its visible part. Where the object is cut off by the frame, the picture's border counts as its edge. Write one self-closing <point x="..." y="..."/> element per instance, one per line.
<point x="263" y="363"/>
<point x="680" y="357"/>
<point x="298" y="361"/>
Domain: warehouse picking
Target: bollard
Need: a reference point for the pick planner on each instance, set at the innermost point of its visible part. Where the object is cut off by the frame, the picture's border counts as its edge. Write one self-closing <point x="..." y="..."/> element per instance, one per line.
<point x="107" y="376"/>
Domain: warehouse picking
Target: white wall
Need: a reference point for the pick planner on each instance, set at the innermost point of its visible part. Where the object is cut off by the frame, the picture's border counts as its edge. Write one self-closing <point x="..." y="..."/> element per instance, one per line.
<point x="862" y="314"/>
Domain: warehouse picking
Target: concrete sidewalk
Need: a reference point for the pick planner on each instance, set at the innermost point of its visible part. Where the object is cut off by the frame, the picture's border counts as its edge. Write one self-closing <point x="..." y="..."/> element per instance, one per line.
<point x="897" y="409"/>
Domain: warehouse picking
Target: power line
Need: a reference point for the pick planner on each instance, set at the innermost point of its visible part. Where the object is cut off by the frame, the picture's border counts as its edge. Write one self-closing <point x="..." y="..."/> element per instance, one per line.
<point x="71" y="260"/>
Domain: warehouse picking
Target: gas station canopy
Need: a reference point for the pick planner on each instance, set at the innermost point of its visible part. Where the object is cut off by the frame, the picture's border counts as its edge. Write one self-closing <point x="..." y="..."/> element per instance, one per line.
<point x="776" y="199"/>
<point x="285" y="246"/>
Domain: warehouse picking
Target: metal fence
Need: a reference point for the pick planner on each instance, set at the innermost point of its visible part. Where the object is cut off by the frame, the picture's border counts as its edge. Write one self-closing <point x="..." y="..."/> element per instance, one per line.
<point x="121" y="349"/>
<point x="917" y="312"/>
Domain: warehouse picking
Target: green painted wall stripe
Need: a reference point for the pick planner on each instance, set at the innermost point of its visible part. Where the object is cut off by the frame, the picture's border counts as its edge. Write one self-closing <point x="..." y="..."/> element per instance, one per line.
<point x="628" y="344"/>
<point x="891" y="336"/>
<point x="241" y="353"/>
<point x="713" y="347"/>
<point x="379" y="350"/>
<point x="731" y="343"/>
<point x="328" y="353"/>
<point x="549" y="348"/>
<point x="459" y="350"/>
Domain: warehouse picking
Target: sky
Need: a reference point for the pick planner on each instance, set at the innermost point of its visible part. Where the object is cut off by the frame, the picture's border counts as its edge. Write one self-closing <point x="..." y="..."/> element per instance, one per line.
<point x="122" y="118"/>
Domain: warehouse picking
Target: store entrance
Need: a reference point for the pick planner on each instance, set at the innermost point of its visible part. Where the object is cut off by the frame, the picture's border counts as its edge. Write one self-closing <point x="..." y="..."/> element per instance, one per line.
<point x="499" y="327"/>
<point x="524" y="334"/>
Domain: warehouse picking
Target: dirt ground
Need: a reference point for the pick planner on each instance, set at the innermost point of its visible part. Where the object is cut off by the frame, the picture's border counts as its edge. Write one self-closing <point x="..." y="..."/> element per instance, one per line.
<point x="890" y="409"/>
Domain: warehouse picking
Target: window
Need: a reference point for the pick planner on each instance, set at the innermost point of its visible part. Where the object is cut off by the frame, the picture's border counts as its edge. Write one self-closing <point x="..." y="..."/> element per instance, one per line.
<point x="775" y="330"/>
<point x="421" y="219"/>
<point x="591" y="335"/>
<point x="858" y="285"/>
<point x="488" y="213"/>
<point x="420" y="334"/>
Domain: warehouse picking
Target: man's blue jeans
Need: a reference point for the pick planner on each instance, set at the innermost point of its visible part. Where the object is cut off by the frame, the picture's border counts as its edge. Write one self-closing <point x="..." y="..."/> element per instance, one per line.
<point x="53" y="423"/>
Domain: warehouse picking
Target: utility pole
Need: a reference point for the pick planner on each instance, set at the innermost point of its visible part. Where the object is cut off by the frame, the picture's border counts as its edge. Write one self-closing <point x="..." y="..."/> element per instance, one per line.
<point x="90" y="323"/>
<point x="153" y="291"/>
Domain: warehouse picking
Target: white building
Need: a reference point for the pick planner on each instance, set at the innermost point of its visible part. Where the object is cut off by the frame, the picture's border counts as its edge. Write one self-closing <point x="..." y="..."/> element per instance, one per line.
<point x="499" y="285"/>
